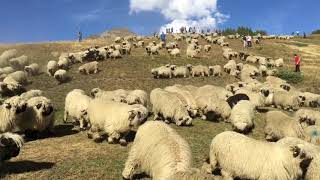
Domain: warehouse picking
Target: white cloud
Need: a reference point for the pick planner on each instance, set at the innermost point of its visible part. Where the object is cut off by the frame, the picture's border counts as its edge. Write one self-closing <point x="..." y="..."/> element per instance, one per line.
<point x="190" y="13"/>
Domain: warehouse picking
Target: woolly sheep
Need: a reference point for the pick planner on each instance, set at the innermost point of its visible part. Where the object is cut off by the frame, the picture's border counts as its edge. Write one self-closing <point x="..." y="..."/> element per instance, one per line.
<point x="242" y="115"/>
<point x="256" y="99"/>
<point x="19" y="62"/>
<point x="10" y="111"/>
<point x="52" y="67"/>
<point x="251" y="59"/>
<point x="117" y="39"/>
<point x="6" y="70"/>
<point x="284" y="100"/>
<point x="263" y="70"/>
<point x="308" y="117"/>
<point x="207" y="48"/>
<point x="115" y="54"/>
<point x="137" y="97"/>
<point x="33" y="69"/>
<point x="312" y="134"/>
<point x="76" y="106"/>
<point x="152" y="50"/>
<point x="19" y="76"/>
<point x="192" y="53"/>
<point x="113" y="118"/>
<point x="162" y="72"/>
<point x="279" y="125"/>
<point x="279" y="62"/>
<point x="61" y="76"/>
<point x="64" y="61"/>
<point x="310" y="99"/>
<point x="175" y="52"/>
<point x="210" y="90"/>
<point x="89" y="68"/>
<point x="240" y="156"/>
<point x="10" y="145"/>
<point x="118" y="95"/>
<point x="215" y="70"/>
<point x="77" y="57"/>
<point x="230" y="66"/>
<point x="213" y="108"/>
<point x="200" y="70"/>
<point x="182" y="71"/>
<point x="11" y="88"/>
<point x="6" y="55"/>
<point x="168" y="106"/>
<point x="30" y="94"/>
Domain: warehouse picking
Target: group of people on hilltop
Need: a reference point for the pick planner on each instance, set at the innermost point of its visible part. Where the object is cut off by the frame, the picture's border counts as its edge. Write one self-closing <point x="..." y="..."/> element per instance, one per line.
<point x="247" y="41"/>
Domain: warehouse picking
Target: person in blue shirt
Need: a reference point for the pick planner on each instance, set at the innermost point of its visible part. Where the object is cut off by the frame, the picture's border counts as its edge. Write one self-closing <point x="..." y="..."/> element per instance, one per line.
<point x="163" y="38"/>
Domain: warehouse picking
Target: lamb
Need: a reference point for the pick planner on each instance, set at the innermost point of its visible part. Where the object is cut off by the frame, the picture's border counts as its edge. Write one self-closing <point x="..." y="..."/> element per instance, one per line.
<point x="182" y="71"/>
<point x="215" y="70"/>
<point x="113" y="118"/>
<point x="89" y="68"/>
<point x="279" y="62"/>
<point x="242" y="115"/>
<point x="10" y="111"/>
<point x="52" y="67"/>
<point x="312" y="134"/>
<point x="137" y="97"/>
<point x="33" y="69"/>
<point x="61" y="76"/>
<point x="64" y="61"/>
<point x="30" y="94"/>
<point x="38" y="117"/>
<point x="10" y="145"/>
<point x="175" y="52"/>
<point x="200" y="70"/>
<point x="119" y="95"/>
<point x="18" y="76"/>
<point x="76" y="107"/>
<point x="155" y="140"/>
<point x="240" y="156"/>
<point x="308" y="117"/>
<point x="168" y="106"/>
<point x="19" y="62"/>
<point x="6" y="55"/>
<point x="279" y="125"/>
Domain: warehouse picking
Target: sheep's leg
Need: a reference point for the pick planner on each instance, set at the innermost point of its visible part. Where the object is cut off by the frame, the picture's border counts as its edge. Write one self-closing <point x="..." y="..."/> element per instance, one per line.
<point x="131" y="165"/>
<point x="113" y="136"/>
<point x="65" y="116"/>
<point x="226" y="175"/>
<point x="81" y="121"/>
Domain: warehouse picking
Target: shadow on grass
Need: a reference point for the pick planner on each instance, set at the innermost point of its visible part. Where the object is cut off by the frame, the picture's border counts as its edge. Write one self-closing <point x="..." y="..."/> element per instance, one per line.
<point x="19" y="167"/>
<point x="64" y="130"/>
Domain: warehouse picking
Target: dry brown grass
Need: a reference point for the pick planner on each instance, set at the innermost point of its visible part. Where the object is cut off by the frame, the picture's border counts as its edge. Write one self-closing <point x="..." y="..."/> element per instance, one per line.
<point x="71" y="155"/>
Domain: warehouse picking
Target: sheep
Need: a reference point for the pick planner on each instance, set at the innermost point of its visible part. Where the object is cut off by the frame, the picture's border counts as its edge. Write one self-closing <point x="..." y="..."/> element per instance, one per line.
<point x="168" y="106"/>
<point x="240" y="156"/>
<point x="19" y="62"/>
<point x="61" y="76"/>
<point x="30" y="94"/>
<point x="252" y="59"/>
<point x="117" y="39"/>
<point x="200" y="70"/>
<point x="155" y="140"/>
<point x="279" y="125"/>
<point x="113" y="118"/>
<point x="89" y="68"/>
<point x="310" y="99"/>
<point x="192" y="53"/>
<point x="6" y="70"/>
<point x="175" y="52"/>
<point x="313" y="172"/>
<point x="64" y="61"/>
<point x="6" y="55"/>
<point x="77" y="57"/>
<point x="308" y="117"/>
<point x="10" y="111"/>
<point x="312" y="134"/>
<point x="241" y="116"/>
<point x="11" y="88"/>
<point x="162" y="72"/>
<point x="152" y="50"/>
<point x="263" y="70"/>
<point x="10" y="145"/>
<point x="233" y="100"/>
<point x="52" y="67"/>
<point x="248" y="72"/>
<point x="119" y="95"/>
<point x="115" y="54"/>
<point x="284" y="100"/>
<point x="255" y="98"/>
<point x="279" y="62"/>
<point x="230" y="66"/>
<point x="215" y="70"/>
<point x="212" y="108"/>
<point x="33" y="69"/>
<point x="239" y="66"/>
<point x="76" y="106"/>
<point x="186" y="97"/>
<point x="210" y="90"/>
<point x="137" y="97"/>
<point x="207" y="48"/>
<point x="18" y="76"/>
<point x="38" y="117"/>
<point x="182" y="71"/>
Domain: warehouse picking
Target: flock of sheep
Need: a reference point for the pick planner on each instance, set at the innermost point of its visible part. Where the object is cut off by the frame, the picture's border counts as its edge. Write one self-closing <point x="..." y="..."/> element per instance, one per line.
<point x="292" y="130"/>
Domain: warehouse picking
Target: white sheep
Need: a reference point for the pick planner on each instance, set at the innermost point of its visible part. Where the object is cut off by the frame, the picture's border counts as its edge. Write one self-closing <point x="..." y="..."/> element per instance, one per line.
<point x="192" y="53"/>
<point x="10" y="145"/>
<point x="207" y="48"/>
<point x="11" y="88"/>
<point x="19" y="62"/>
<point x="64" y="62"/>
<point x="256" y="99"/>
<point x="89" y="68"/>
<point x="19" y="76"/>
<point x="174" y="52"/>
<point x="279" y="125"/>
<point x="240" y="156"/>
<point x="6" y="55"/>
<point x="310" y="99"/>
<point x="210" y="90"/>
<point x="32" y="69"/>
<point x="77" y="57"/>
<point x="115" y="54"/>
<point x="31" y="93"/>
<point x="279" y="62"/>
<point x="181" y="71"/>
<point x="162" y="72"/>
<point x="230" y="66"/>
<point x="6" y="70"/>
<point x="119" y="95"/>
<point x="61" y="76"/>
<point x="168" y="106"/>
<point x="200" y="70"/>
<point x="308" y="117"/>
<point x="113" y="118"/>
<point x="263" y="70"/>
<point x="10" y="112"/>
<point x="215" y="70"/>
<point x="52" y="67"/>
<point x="242" y="115"/>
<point x="284" y="100"/>
<point x="137" y="97"/>
<point x="76" y="106"/>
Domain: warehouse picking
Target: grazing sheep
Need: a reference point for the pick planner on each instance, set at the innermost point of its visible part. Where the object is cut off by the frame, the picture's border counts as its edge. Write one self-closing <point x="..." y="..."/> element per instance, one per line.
<point x="119" y="95"/>
<point x="115" y="54"/>
<point x="168" y="106"/>
<point x="61" y="76"/>
<point x="200" y="70"/>
<point x="11" y="88"/>
<point x="174" y="52"/>
<point x="233" y="100"/>
<point x="215" y="70"/>
<point x="242" y="115"/>
<point x="181" y="71"/>
<point x="64" y="62"/>
<point x="230" y="66"/>
<point x="308" y="117"/>
<point x="113" y="118"/>
<point x="89" y="68"/>
<point x="6" y="70"/>
<point x="10" y="145"/>
<point x="6" y="55"/>
<point x="192" y="53"/>
<point x="207" y="48"/>
<point x="152" y="50"/>
<point x="19" y="62"/>
<point x="33" y="69"/>
<point x="310" y="99"/>
<point x="76" y="106"/>
<point x="10" y="111"/>
<point x="77" y="57"/>
<point x="248" y="72"/>
<point x="52" y="67"/>
<point x="30" y="94"/>
<point x="252" y="59"/>
<point x="155" y="140"/>
<point x="312" y="134"/>
<point x="240" y="156"/>
<point x="279" y="125"/>
<point x="284" y="100"/>
<point x="279" y="62"/>
<point x="18" y="76"/>
<point x="117" y="39"/>
<point x="137" y="97"/>
<point x="38" y="117"/>
<point x="162" y="72"/>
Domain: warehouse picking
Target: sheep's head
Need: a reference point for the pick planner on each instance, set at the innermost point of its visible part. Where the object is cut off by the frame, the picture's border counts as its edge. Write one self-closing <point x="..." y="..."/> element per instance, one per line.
<point x="302" y="156"/>
<point x="95" y="91"/>
<point x="131" y="99"/>
<point x="135" y="118"/>
<point x="41" y="105"/>
<point x="173" y="67"/>
<point x="81" y="70"/>
<point x="285" y="87"/>
<point x="15" y="104"/>
<point x="10" y="145"/>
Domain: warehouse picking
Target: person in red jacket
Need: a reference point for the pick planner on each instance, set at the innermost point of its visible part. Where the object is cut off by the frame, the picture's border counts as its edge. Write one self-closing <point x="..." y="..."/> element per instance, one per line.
<point x="297" y="60"/>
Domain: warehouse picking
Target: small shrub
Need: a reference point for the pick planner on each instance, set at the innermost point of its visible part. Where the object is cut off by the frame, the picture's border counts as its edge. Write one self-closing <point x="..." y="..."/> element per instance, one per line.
<point x="290" y="76"/>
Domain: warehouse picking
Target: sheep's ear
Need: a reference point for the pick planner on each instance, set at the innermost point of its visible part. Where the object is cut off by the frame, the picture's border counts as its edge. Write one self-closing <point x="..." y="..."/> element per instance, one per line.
<point x="295" y="151"/>
<point x="7" y="105"/>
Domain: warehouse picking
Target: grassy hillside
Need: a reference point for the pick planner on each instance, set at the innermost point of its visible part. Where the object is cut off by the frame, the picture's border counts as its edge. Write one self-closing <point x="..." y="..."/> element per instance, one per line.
<point x="71" y="155"/>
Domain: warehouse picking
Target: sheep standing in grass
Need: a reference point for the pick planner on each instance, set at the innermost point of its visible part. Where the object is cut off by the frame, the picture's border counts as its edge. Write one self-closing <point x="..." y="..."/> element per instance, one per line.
<point x="311" y="99"/>
<point x="64" y="61"/>
<point x="10" y="145"/>
<point x="113" y="118"/>
<point x="10" y="112"/>
<point x="230" y="66"/>
<point x="240" y="156"/>
<point x="76" y="107"/>
<point x="30" y="94"/>
<point x="52" y="67"/>
<point x="182" y="71"/>
<point x="162" y="72"/>
<point x="242" y="115"/>
<point x="279" y="62"/>
<point x="33" y="69"/>
<point x="137" y="97"/>
<point x="207" y="48"/>
<point x="89" y="68"/>
<point x="308" y="117"/>
<point x="200" y="70"/>
<point x="6" y="55"/>
<point x="213" y="108"/>
<point x="279" y="125"/>
<point x="11" y="88"/>
<point x="61" y="76"/>
<point x="19" y="62"/>
<point x="284" y="100"/>
<point x="210" y="90"/>
<point x="168" y="106"/>
<point x="118" y="95"/>
<point x="6" y="70"/>
<point x="19" y="76"/>
<point x="215" y="70"/>
<point x="174" y="52"/>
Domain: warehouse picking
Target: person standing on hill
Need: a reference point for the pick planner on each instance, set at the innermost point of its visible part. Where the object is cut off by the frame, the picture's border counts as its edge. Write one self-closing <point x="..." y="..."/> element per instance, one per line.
<point x="297" y="60"/>
<point x="80" y="36"/>
<point x="163" y="38"/>
<point x="244" y="39"/>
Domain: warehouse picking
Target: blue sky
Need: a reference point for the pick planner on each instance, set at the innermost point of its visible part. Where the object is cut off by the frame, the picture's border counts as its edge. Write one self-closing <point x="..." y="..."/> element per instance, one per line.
<point x="47" y="20"/>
